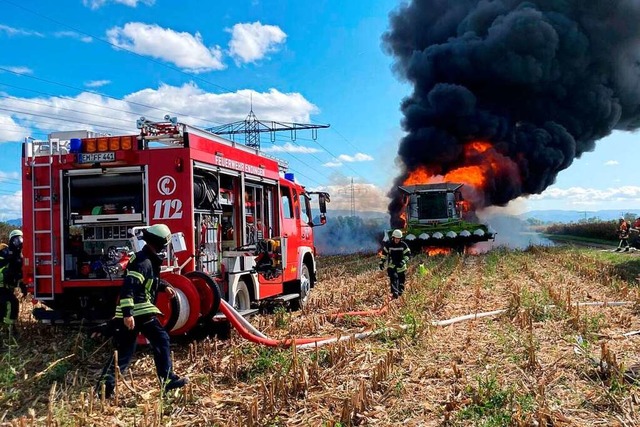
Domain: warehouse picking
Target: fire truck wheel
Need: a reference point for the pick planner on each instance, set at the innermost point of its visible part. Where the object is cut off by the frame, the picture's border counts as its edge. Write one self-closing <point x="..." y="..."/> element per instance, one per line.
<point x="305" y="289"/>
<point x="242" y="299"/>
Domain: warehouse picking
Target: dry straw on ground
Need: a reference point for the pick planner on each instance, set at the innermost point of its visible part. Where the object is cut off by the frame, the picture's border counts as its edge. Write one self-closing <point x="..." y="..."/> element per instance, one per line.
<point x="544" y="361"/>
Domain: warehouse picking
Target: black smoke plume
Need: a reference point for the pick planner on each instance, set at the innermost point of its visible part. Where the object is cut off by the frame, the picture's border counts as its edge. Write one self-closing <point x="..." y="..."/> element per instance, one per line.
<point x="540" y="80"/>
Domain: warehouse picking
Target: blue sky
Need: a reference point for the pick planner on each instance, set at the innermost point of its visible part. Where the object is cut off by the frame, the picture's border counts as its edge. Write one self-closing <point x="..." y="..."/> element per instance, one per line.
<point x="100" y="64"/>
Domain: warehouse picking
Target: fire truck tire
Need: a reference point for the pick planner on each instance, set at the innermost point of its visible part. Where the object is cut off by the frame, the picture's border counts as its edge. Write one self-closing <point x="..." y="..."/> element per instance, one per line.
<point x="304" y="290"/>
<point x="208" y="291"/>
<point x="188" y="307"/>
<point x="242" y="300"/>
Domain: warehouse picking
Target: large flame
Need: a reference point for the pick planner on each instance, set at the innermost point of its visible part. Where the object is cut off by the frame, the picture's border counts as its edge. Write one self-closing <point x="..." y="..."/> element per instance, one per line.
<point x="479" y="162"/>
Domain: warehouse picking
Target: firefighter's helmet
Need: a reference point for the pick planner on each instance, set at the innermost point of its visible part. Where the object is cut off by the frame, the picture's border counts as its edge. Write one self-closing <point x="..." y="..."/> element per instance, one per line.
<point x="397" y="234"/>
<point x="15" y="240"/>
<point x="157" y="235"/>
<point x="15" y="233"/>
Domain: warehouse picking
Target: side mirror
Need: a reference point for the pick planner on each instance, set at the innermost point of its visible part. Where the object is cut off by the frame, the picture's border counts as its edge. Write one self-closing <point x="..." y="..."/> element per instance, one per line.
<point x="323" y="198"/>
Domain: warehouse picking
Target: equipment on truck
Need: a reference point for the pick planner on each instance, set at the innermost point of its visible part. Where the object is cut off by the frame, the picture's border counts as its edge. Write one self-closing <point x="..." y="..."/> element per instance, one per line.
<point x="437" y="217"/>
<point x="246" y="225"/>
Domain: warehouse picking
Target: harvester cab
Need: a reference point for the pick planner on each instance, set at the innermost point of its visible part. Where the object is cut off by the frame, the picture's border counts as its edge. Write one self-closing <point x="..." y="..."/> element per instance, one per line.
<point x="438" y="219"/>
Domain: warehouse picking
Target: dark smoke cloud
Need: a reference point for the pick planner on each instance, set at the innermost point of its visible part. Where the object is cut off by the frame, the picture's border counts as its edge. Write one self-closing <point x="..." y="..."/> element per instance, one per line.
<point x="541" y="80"/>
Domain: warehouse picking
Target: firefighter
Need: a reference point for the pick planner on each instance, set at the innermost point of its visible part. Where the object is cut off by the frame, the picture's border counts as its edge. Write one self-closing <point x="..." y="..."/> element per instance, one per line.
<point x="623" y="235"/>
<point x="395" y="254"/>
<point x="11" y="282"/>
<point x="136" y="313"/>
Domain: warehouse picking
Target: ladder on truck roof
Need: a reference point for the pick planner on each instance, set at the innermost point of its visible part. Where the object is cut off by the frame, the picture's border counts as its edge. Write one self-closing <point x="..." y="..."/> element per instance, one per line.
<point x="42" y="197"/>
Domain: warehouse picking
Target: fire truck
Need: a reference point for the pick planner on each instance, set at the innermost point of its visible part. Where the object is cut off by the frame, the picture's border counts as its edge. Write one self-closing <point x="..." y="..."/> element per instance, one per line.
<point x="243" y="226"/>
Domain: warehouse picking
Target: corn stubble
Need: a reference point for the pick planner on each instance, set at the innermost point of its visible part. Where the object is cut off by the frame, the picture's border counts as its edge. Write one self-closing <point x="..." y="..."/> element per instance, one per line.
<point x="516" y="369"/>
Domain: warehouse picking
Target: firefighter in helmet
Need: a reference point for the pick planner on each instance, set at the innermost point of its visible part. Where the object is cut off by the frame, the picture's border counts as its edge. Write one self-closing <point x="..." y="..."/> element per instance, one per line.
<point x="136" y="313"/>
<point x="623" y="235"/>
<point x="11" y="281"/>
<point x="395" y="254"/>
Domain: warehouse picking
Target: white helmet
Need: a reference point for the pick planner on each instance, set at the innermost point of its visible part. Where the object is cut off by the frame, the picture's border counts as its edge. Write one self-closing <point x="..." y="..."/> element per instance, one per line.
<point x="397" y="234"/>
<point x="16" y="239"/>
<point x="158" y="235"/>
<point x="15" y="233"/>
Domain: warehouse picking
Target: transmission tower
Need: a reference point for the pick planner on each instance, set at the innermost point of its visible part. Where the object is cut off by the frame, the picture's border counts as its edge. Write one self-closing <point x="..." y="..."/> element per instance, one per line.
<point x="353" y="199"/>
<point x="351" y="192"/>
<point x="251" y="128"/>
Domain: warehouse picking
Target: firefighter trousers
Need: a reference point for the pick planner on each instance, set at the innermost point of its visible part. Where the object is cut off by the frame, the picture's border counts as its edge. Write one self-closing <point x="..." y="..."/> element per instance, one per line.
<point x="125" y="343"/>
<point x="396" y="281"/>
<point x="8" y="306"/>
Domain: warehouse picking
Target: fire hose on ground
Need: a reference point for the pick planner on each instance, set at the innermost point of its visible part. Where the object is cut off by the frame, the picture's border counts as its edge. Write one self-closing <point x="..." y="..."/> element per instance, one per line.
<point x="249" y="332"/>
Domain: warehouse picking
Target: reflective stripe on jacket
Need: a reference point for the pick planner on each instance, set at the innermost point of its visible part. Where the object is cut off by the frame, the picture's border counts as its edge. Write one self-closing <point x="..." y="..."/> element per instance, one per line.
<point x="396" y="255"/>
<point x="141" y="285"/>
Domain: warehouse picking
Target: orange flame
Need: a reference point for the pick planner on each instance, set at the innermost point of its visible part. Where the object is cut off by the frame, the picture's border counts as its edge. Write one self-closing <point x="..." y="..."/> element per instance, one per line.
<point x="480" y="161"/>
<point x="433" y="251"/>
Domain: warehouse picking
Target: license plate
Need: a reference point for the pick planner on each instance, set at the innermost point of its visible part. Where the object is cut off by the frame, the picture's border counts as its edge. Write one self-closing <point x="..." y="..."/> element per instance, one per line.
<point x="108" y="156"/>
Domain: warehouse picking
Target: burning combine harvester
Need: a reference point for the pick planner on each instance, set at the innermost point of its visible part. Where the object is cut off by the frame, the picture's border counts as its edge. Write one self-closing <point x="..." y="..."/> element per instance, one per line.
<point x="438" y="220"/>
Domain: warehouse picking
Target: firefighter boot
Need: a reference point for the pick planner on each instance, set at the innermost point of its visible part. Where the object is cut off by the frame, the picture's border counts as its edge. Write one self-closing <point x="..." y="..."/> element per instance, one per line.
<point x="177" y="382"/>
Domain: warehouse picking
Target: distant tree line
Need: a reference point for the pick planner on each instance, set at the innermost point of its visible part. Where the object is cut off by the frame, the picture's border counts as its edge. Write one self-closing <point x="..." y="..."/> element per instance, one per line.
<point x="601" y="230"/>
<point x="5" y="229"/>
<point x="592" y="229"/>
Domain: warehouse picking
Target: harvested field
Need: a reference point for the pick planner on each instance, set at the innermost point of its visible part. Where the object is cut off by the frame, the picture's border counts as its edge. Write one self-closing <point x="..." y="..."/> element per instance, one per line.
<point x="544" y="360"/>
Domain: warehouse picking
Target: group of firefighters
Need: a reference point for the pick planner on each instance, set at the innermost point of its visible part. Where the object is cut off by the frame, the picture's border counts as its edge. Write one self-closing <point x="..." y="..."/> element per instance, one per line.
<point x="136" y="311"/>
<point x="624" y="233"/>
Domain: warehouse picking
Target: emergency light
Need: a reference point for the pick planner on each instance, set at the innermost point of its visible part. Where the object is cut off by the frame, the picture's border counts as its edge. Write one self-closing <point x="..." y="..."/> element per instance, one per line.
<point x="111" y="143"/>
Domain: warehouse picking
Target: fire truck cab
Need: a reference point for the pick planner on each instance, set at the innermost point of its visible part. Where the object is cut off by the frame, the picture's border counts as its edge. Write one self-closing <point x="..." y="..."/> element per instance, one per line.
<point x="243" y="226"/>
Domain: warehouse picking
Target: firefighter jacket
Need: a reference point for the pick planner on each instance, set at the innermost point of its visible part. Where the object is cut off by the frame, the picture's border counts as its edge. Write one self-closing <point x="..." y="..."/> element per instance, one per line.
<point x="623" y="230"/>
<point x="396" y="255"/>
<point x="141" y="285"/>
<point x="10" y="268"/>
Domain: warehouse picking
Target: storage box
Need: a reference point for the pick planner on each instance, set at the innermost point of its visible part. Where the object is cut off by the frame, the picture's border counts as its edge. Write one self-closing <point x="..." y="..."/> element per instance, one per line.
<point x="177" y="242"/>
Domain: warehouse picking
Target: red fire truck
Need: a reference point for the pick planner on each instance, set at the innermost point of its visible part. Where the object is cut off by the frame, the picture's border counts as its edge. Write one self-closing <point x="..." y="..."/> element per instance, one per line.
<point x="243" y="227"/>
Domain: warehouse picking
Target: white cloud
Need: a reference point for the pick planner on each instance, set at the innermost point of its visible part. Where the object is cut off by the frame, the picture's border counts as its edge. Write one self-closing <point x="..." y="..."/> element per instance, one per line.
<point x="96" y="4"/>
<point x="581" y="196"/>
<point x="290" y="148"/>
<point x="18" y="70"/>
<point x="10" y="131"/>
<point x="359" y="157"/>
<point x="226" y="107"/>
<point x="183" y="49"/>
<point x="11" y="206"/>
<point x="196" y="106"/>
<point x="97" y="83"/>
<point x="611" y="163"/>
<point x="11" y="31"/>
<point x="332" y="164"/>
<point x="250" y="42"/>
<point x="74" y="35"/>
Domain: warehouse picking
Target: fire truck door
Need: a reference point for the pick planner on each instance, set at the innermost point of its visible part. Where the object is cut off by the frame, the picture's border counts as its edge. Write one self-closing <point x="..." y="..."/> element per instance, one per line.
<point x="289" y="231"/>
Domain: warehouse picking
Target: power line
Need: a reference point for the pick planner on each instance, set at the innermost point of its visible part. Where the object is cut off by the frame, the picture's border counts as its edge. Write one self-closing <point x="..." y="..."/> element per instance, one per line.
<point x="64" y="24"/>
<point x="95" y="92"/>
<point x="147" y="58"/>
<point x="61" y="108"/>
